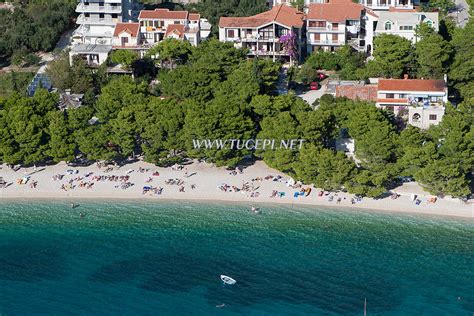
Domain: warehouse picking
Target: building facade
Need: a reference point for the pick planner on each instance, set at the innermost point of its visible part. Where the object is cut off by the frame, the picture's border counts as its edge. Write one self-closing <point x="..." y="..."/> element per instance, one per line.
<point x="422" y="100"/>
<point x="333" y="24"/>
<point x="404" y="23"/>
<point x="157" y="25"/>
<point x="97" y="19"/>
<point x="264" y="34"/>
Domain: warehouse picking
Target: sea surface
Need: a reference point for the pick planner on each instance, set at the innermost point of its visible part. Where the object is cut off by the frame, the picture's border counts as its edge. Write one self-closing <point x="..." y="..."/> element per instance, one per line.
<point x="165" y="258"/>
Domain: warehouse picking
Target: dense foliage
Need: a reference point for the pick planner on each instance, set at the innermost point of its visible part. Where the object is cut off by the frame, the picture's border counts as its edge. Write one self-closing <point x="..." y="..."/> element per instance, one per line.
<point x="34" y="26"/>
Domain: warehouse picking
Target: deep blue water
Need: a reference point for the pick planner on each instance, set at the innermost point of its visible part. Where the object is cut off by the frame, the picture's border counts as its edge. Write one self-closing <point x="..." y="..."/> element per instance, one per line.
<point x="134" y="258"/>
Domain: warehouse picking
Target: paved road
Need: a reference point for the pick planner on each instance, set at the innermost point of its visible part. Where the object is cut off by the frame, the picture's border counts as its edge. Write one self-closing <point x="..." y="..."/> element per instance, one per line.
<point x="461" y="15"/>
<point x="312" y="95"/>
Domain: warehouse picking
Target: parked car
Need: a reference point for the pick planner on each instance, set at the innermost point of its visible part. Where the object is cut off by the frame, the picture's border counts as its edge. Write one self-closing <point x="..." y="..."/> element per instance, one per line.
<point x="314" y="86"/>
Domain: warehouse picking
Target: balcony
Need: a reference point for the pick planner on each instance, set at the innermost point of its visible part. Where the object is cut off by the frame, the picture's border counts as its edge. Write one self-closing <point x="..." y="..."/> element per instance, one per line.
<point x="150" y="29"/>
<point x="92" y="8"/>
<point x="326" y="29"/>
<point x="268" y="53"/>
<point x="84" y="31"/>
<point x="326" y="42"/>
<point x="82" y="19"/>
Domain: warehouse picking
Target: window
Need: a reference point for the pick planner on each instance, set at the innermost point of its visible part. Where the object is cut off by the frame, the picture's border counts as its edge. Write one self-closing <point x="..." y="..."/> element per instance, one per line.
<point x="176" y="22"/>
<point x="430" y="23"/>
<point x="433" y="117"/>
<point x="142" y="23"/>
<point x="390" y="96"/>
<point x="101" y="4"/>
<point x="156" y="24"/>
<point x="317" y="37"/>
<point x="87" y="15"/>
<point x="101" y="16"/>
<point x="230" y="33"/>
<point x="334" y="37"/>
<point x="317" y="24"/>
<point x="406" y="27"/>
<point x="266" y="33"/>
<point x="416" y="117"/>
<point x="388" y="26"/>
<point x="335" y="26"/>
<point x="114" y="16"/>
<point x="402" y="96"/>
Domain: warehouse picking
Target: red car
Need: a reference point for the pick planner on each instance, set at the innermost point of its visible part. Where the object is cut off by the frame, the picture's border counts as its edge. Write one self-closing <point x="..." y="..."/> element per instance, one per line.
<point x="314" y="86"/>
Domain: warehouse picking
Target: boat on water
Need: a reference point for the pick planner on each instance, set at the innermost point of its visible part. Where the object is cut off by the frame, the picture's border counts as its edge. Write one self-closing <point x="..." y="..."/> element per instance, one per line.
<point x="228" y="280"/>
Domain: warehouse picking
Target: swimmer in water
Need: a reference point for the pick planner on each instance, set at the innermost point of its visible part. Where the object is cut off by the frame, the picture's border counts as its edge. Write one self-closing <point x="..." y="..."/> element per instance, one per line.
<point x="220" y="305"/>
<point x="82" y="214"/>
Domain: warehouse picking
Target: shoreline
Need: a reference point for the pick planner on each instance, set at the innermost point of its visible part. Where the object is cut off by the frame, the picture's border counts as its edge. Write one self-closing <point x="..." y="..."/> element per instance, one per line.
<point x="207" y="179"/>
<point x="307" y="206"/>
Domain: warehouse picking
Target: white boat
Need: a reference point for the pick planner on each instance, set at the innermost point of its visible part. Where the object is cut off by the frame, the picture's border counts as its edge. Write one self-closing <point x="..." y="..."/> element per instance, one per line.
<point x="227" y="280"/>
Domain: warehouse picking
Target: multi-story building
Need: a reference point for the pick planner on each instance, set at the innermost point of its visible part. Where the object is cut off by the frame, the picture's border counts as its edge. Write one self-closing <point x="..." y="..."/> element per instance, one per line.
<point x="383" y="5"/>
<point x="404" y="23"/>
<point x="263" y="34"/>
<point x="97" y="20"/>
<point x="159" y="24"/>
<point x="422" y="100"/>
<point x="333" y="24"/>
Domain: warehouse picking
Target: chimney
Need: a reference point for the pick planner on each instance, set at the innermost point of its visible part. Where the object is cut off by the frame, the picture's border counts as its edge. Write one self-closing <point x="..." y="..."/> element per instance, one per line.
<point x="405" y="76"/>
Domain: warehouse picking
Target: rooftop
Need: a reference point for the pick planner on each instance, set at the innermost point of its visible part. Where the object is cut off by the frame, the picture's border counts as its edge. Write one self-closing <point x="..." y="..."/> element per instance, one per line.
<point x="91" y="48"/>
<point x="163" y="14"/>
<point x="177" y="29"/>
<point x="131" y="28"/>
<point x="411" y="85"/>
<point x="357" y="92"/>
<point x="335" y="11"/>
<point x="282" y="14"/>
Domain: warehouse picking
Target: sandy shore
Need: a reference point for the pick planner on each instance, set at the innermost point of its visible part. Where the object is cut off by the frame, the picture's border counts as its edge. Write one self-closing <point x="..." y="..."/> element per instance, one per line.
<point x="206" y="180"/>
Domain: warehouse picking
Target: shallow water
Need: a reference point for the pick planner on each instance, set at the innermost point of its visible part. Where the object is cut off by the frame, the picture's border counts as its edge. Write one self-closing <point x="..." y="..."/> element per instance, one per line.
<point x="144" y="258"/>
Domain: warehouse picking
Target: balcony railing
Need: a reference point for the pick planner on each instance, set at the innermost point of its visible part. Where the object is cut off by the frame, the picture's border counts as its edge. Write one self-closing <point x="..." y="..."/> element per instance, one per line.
<point x="81" y="7"/>
<point x="85" y="31"/>
<point x="326" y="42"/>
<point x="81" y="19"/>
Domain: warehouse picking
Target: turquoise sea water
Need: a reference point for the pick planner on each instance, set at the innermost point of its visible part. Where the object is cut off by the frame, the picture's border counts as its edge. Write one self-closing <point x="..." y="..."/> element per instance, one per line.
<point x="165" y="258"/>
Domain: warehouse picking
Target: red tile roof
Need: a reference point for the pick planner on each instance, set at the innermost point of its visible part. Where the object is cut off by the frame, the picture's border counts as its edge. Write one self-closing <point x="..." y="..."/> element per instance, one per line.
<point x="411" y="85"/>
<point x="392" y="100"/>
<point x="357" y="92"/>
<point x="282" y="14"/>
<point x="163" y="14"/>
<point x="177" y="29"/>
<point x="130" y="28"/>
<point x="335" y="11"/>
<point x="194" y="16"/>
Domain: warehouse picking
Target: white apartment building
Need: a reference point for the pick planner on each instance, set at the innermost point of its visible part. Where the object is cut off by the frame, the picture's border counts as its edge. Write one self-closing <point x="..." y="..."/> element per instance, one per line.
<point x="157" y="25"/>
<point x="97" y="20"/>
<point x="404" y="23"/>
<point x="384" y="5"/>
<point x="261" y="34"/>
<point x="422" y="100"/>
<point x="333" y="24"/>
